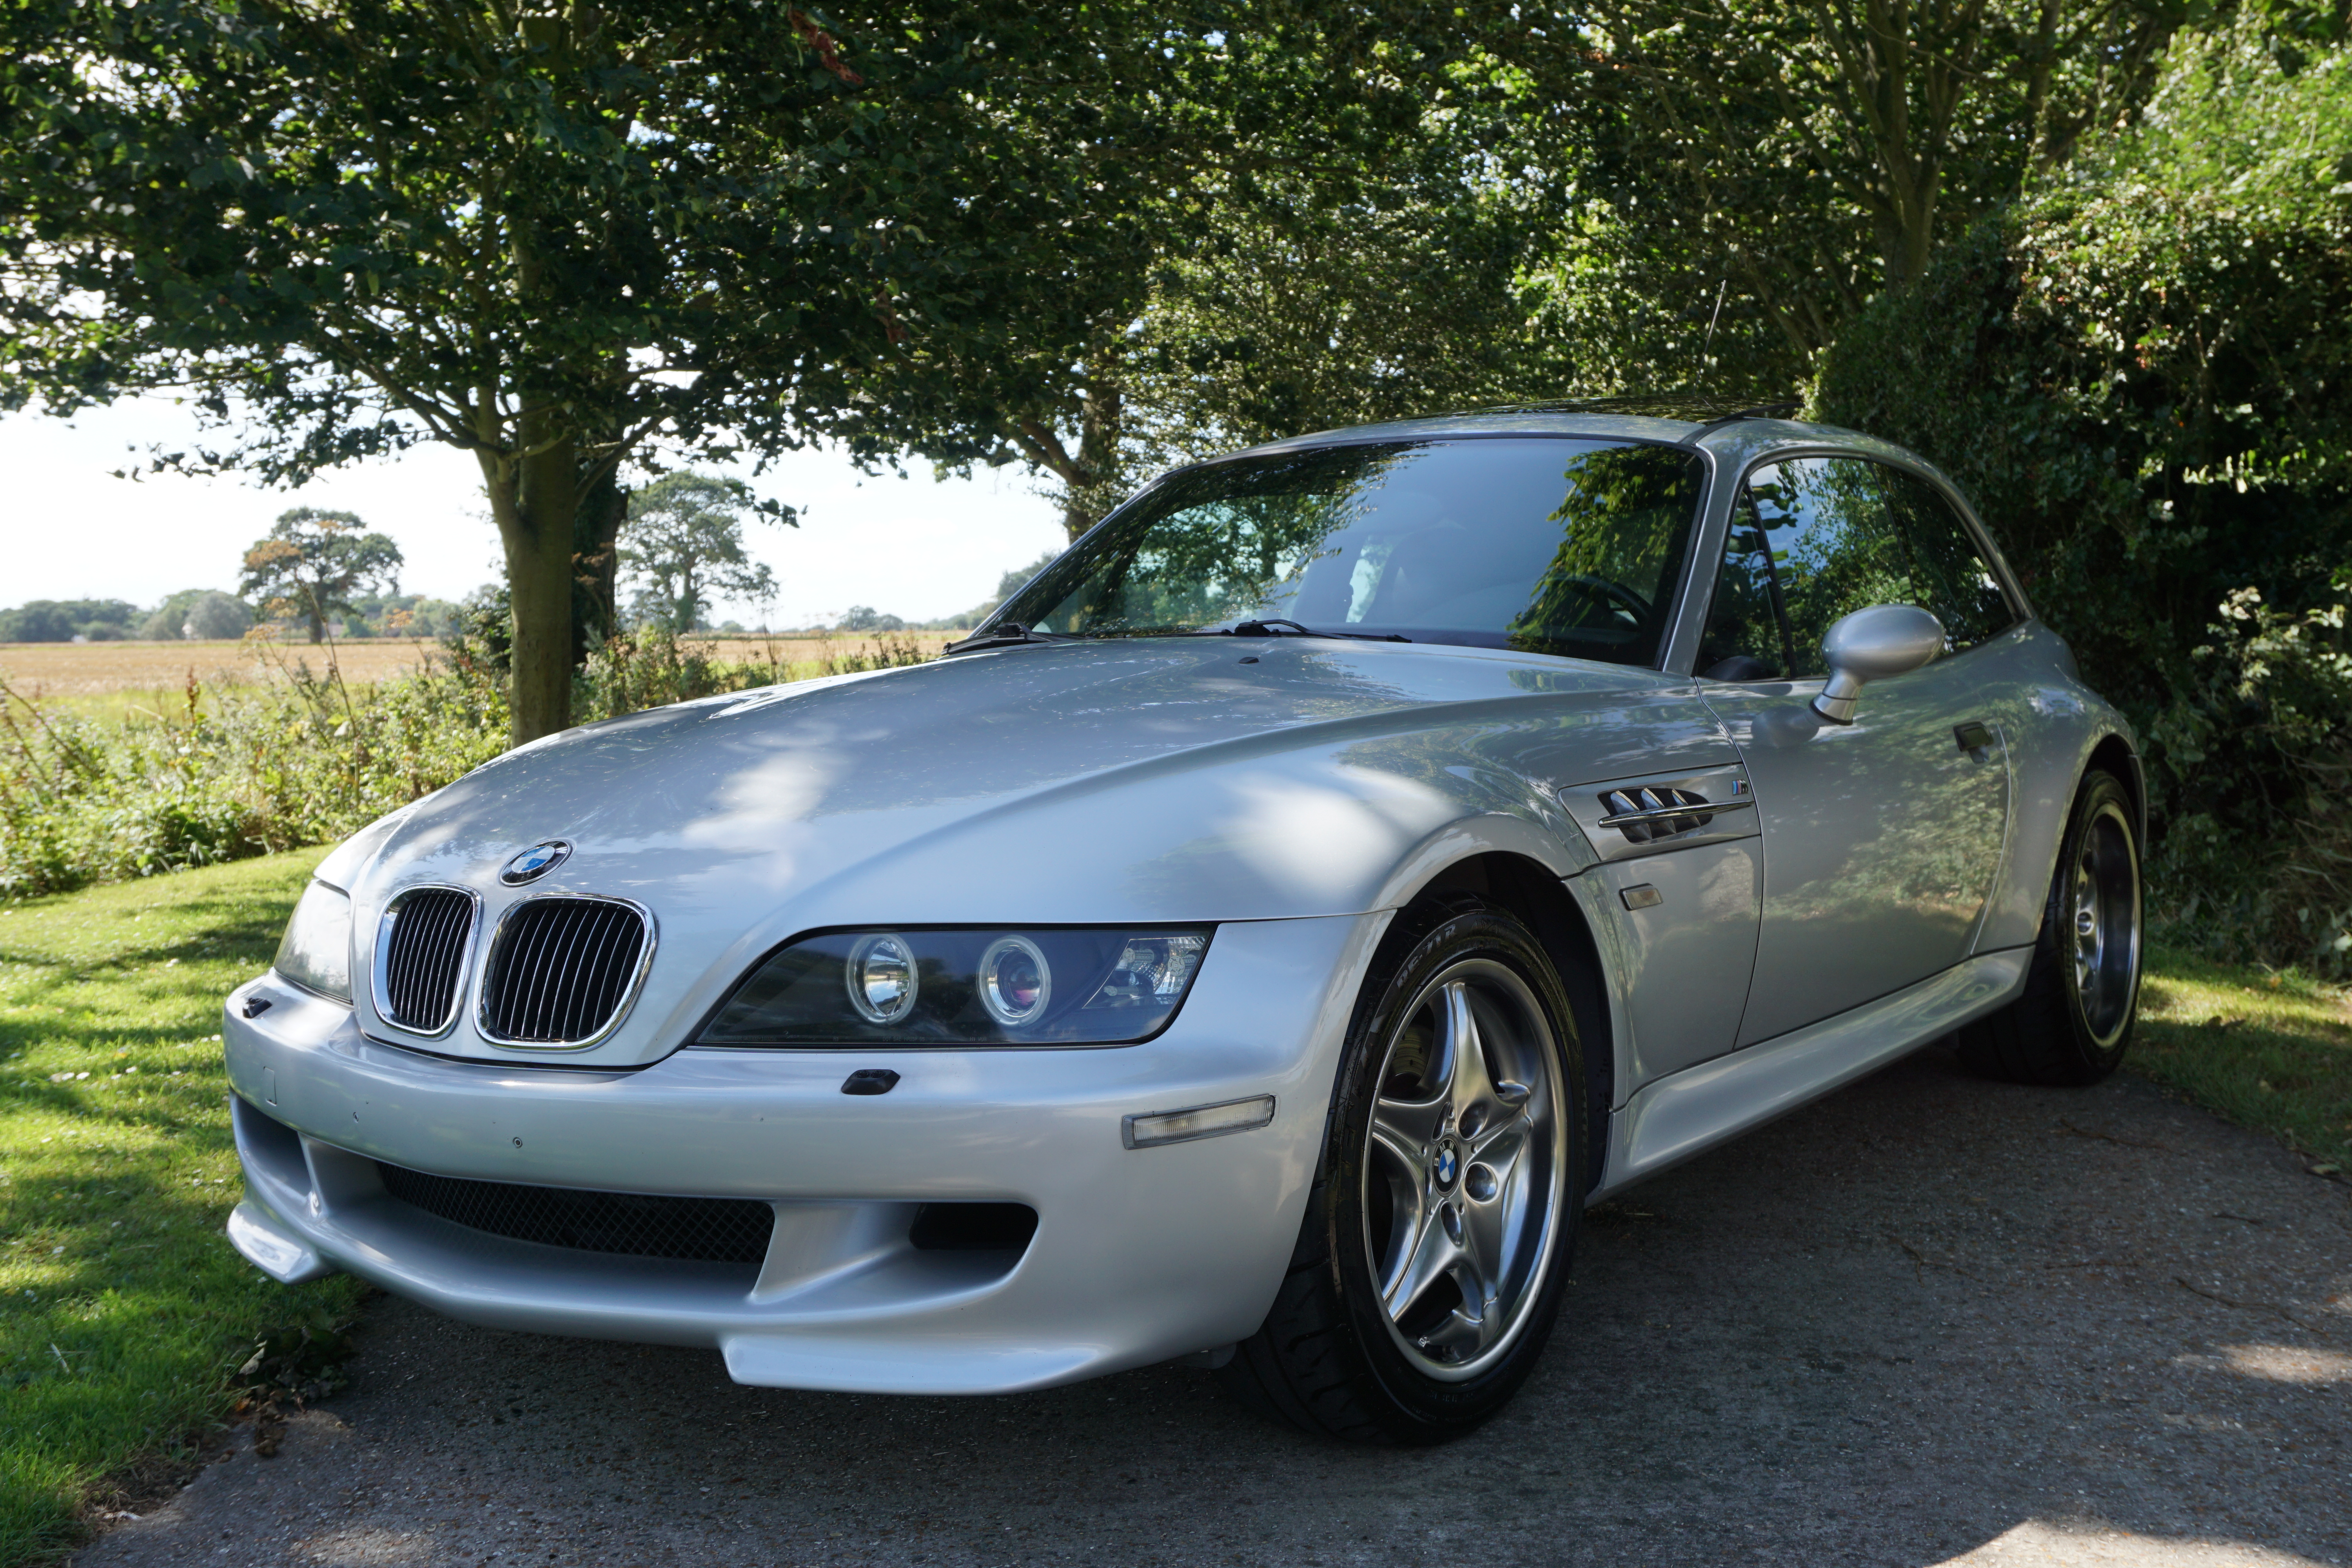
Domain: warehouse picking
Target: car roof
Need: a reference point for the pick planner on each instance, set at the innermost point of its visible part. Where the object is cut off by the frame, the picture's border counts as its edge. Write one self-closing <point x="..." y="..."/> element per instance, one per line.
<point x="1736" y="434"/>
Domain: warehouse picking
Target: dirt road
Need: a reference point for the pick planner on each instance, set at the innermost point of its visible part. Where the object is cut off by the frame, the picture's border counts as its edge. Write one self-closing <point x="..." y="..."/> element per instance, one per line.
<point x="1927" y="1320"/>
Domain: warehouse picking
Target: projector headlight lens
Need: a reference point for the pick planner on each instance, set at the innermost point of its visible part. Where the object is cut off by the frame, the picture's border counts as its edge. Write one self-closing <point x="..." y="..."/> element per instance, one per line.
<point x="316" y="951"/>
<point x="1015" y="982"/>
<point x="1038" y="986"/>
<point x="883" y="978"/>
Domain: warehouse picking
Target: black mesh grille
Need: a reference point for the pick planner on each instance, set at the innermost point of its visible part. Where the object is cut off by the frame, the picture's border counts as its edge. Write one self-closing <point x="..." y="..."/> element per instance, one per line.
<point x="709" y="1230"/>
<point x="424" y="958"/>
<point x="563" y="965"/>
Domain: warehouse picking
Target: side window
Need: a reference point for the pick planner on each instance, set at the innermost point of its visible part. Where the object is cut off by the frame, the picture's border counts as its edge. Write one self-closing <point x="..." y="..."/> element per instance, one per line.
<point x="1812" y="539"/>
<point x="1955" y="583"/>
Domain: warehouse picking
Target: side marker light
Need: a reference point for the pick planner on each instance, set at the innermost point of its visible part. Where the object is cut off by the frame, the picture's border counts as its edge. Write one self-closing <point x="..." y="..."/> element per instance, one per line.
<point x="1151" y="1131"/>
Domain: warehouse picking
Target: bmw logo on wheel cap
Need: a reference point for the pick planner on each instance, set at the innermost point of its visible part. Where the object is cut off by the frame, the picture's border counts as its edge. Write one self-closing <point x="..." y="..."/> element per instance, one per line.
<point x="534" y="862"/>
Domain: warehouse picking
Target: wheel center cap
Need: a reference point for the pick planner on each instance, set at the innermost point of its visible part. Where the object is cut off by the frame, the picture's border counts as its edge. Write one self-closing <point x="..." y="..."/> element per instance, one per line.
<point x="1446" y="1166"/>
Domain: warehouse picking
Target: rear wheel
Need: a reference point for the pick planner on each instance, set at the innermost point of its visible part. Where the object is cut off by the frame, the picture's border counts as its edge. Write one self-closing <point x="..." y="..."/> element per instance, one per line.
<point x="2074" y="1020"/>
<point x="1437" y="1236"/>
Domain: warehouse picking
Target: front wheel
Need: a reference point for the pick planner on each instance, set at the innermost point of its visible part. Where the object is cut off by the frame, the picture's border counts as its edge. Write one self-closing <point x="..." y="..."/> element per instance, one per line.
<point x="1437" y="1236"/>
<point x="2074" y="1023"/>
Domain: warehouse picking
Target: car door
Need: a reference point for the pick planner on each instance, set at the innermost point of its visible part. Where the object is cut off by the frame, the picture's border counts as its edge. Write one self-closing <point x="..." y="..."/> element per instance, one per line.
<point x="1881" y="838"/>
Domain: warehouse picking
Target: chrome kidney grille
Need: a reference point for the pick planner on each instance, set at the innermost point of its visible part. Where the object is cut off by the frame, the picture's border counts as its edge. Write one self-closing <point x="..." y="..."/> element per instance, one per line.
<point x="563" y="969"/>
<point x="421" y="950"/>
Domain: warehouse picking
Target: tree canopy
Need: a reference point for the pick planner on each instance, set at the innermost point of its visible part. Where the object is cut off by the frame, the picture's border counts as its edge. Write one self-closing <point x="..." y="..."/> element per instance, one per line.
<point x="554" y="238"/>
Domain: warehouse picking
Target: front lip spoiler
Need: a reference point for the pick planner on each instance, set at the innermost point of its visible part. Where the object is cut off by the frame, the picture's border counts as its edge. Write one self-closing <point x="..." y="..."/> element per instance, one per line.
<point x="286" y="1258"/>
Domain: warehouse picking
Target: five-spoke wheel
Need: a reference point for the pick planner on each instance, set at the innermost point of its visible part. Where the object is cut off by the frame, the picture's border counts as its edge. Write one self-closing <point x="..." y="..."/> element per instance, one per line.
<point x="1465" y="1185"/>
<point x="1435" y="1245"/>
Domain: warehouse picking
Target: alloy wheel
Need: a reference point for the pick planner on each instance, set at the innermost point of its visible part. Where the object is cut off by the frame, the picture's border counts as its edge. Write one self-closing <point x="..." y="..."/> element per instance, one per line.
<point x="1466" y="1170"/>
<point x="2105" y="901"/>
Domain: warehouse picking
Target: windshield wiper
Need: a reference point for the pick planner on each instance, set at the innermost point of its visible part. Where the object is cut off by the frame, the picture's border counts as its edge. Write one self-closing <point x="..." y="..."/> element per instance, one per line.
<point x="1005" y="634"/>
<point x="1277" y="626"/>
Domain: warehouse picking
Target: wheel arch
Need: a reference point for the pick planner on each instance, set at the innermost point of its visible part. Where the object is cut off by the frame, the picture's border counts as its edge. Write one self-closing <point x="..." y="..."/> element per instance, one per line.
<point x="2112" y="753"/>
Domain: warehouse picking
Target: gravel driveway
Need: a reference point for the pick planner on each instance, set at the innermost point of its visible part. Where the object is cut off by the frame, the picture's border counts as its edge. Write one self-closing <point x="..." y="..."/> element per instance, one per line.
<point x="1928" y="1320"/>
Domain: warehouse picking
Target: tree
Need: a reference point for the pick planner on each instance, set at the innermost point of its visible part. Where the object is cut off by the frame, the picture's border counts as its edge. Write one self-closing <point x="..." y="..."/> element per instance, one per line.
<point x="684" y="543"/>
<point x="215" y="617"/>
<point x="315" y="563"/>
<point x="1338" y="235"/>
<point x="200" y="613"/>
<point x="555" y="238"/>
<point x="62" y="620"/>
<point x="1792" y="160"/>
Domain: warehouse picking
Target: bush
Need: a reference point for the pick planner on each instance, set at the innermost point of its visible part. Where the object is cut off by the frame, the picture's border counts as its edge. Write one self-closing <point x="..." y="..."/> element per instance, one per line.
<point x="247" y="770"/>
<point x="239" y="773"/>
<point x="2140" y="374"/>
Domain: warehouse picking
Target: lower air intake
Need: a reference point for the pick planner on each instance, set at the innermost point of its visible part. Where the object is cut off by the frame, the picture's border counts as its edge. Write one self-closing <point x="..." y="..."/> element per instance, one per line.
<point x="705" y="1230"/>
<point x="561" y="970"/>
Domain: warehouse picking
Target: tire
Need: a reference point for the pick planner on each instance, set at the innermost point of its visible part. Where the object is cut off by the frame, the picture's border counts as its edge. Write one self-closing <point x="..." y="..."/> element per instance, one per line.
<point x="1440" y="1165"/>
<point x="2074" y="1023"/>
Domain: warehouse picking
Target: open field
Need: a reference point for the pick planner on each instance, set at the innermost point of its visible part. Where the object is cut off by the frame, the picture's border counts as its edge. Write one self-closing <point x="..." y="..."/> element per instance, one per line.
<point x="125" y="1315"/>
<point x="48" y="671"/>
<point x="160" y="670"/>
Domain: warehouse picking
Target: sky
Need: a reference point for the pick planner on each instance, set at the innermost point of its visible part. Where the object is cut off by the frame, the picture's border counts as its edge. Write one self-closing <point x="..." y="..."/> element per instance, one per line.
<point x="910" y="547"/>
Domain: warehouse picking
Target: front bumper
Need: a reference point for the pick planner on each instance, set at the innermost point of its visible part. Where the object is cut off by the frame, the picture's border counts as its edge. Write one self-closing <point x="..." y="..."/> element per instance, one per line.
<point x="1139" y="1253"/>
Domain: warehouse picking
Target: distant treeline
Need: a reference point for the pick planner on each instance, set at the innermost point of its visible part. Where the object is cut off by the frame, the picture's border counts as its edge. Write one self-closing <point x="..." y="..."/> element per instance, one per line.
<point x="207" y="615"/>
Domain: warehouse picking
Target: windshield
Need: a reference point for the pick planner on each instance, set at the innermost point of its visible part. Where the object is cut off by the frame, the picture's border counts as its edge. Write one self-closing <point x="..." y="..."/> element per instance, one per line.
<point x="1548" y="545"/>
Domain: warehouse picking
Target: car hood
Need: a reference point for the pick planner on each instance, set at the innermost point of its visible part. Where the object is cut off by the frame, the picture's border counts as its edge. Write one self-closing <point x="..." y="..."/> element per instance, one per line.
<point x="1167" y="779"/>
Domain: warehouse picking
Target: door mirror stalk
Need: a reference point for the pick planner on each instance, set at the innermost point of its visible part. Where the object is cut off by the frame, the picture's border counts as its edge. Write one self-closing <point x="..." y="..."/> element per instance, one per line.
<point x="1872" y="645"/>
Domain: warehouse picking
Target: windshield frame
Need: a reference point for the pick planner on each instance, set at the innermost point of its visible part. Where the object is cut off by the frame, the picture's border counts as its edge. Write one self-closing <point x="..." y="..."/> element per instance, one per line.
<point x="1674" y="636"/>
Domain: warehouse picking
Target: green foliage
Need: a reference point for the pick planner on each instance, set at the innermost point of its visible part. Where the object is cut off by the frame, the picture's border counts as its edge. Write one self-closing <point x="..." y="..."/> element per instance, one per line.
<point x="200" y="613"/>
<point x="2142" y="374"/>
<point x="124" y="1313"/>
<point x="1353" y="191"/>
<point x="61" y="620"/>
<point x="552" y="239"/>
<point x="241" y="771"/>
<point x="1782" y="162"/>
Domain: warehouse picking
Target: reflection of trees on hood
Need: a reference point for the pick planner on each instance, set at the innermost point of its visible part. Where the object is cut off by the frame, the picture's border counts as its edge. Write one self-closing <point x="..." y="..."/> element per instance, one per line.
<point x="1622" y="522"/>
<point x="1217" y="544"/>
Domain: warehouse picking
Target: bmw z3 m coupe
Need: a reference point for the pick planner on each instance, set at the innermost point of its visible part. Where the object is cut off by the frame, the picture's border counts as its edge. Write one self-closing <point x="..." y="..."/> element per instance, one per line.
<point x="1257" y="944"/>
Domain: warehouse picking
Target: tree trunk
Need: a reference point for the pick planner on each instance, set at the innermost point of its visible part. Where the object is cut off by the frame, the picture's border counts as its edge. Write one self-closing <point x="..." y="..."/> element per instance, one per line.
<point x="1100" y="409"/>
<point x="317" y="627"/>
<point x="534" y="499"/>
<point x="597" y="566"/>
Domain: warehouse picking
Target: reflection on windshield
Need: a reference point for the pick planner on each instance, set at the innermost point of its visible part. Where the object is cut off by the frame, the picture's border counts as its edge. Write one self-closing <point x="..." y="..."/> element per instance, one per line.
<point x="1548" y="545"/>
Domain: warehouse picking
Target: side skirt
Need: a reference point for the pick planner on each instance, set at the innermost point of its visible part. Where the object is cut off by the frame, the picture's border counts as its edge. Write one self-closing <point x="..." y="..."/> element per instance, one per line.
<point x="1686" y="1114"/>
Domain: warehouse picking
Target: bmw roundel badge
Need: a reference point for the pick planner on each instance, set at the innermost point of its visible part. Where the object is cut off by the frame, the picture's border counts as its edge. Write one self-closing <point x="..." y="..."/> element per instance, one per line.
<point x="534" y="862"/>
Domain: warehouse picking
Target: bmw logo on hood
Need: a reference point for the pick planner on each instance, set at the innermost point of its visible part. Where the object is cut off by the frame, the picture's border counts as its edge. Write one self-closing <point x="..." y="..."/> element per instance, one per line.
<point x="534" y="862"/>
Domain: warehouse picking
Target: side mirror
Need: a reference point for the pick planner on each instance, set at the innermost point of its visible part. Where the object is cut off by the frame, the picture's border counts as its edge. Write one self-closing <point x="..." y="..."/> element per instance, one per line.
<point x="1872" y="645"/>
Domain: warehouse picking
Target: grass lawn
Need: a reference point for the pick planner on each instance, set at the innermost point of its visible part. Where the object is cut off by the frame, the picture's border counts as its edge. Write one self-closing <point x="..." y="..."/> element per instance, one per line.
<point x="123" y="1312"/>
<point x="2268" y="1052"/>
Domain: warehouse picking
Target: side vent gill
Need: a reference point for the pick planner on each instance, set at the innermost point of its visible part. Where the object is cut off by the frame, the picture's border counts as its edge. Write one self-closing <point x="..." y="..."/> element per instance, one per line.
<point x="1650" y="813"/>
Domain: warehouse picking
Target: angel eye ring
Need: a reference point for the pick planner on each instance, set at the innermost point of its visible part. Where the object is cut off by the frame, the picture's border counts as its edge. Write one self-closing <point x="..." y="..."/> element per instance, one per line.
<point x="1016" y="980"/>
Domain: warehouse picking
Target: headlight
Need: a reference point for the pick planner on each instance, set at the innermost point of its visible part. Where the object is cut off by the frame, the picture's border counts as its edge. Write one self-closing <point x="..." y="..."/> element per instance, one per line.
<point x="1035" y="987"/>
<point x="315" y="952"/>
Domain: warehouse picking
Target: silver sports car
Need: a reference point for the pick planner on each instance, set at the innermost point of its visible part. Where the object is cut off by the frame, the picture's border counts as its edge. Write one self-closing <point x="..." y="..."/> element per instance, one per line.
<point x="1257" y="944"/>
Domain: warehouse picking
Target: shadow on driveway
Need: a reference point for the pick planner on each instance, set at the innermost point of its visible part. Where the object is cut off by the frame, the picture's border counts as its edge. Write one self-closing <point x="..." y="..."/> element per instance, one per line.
<point x="1929" y="1319"/>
